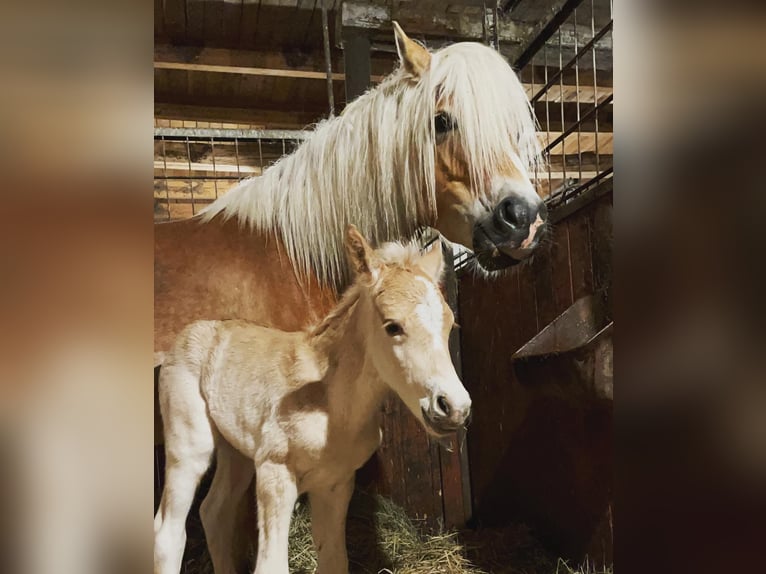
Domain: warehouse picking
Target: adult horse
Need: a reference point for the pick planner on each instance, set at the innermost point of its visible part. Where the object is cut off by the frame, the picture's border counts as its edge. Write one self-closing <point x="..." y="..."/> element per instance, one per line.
<point x="448" y="140"/>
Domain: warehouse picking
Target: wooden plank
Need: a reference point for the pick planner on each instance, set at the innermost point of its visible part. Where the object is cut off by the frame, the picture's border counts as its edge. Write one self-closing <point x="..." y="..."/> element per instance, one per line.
<point x="248" y="24"/>
<point x="213" y="21"/>
<point x="527" y="316"/>
<point x="278" y="119"/>
<point x="159" y="19"/>
<point x="255" y="63"/>
<point x="195" y="21"/>
<point x="578" y="227"/>
<point x="561" y="276"/>
<point x="555" y="116"/>
<point x="601" y="246"/>
<point x="233" y="11"/>
<point x="542" y="277"/>
<point x="175" y="20"/>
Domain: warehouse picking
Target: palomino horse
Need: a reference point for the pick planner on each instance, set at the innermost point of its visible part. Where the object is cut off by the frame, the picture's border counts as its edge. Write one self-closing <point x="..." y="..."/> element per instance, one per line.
<point x="448" y="140"/>
<point x="302" y="410"/>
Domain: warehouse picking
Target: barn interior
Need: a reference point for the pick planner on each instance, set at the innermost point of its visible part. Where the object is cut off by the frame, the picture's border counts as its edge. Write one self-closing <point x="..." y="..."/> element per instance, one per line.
<point x="237" y="82"/>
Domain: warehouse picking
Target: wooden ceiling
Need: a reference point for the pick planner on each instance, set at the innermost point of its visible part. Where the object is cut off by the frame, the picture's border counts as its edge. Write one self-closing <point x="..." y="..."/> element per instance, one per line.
<point x="261" y="62"/>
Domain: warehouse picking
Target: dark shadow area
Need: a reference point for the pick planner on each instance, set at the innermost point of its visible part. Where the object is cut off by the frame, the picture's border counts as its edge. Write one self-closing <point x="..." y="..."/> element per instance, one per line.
<point x="556" y="476"/>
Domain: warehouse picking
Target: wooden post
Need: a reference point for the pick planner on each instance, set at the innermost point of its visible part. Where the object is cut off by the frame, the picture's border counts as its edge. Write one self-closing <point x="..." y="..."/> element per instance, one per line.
<point x="356" y="60"/>
<point x="456" y="480"/>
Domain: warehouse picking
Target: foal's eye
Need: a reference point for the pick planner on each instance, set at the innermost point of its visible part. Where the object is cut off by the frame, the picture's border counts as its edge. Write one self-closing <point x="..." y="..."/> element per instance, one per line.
<point x="443" y="123"/>
<point x="393" y="329"/>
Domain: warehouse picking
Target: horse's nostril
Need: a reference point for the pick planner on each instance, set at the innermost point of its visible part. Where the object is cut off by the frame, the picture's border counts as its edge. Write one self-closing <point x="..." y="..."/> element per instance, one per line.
<point x="443" y="405"/>
<point x="514" y="213"/>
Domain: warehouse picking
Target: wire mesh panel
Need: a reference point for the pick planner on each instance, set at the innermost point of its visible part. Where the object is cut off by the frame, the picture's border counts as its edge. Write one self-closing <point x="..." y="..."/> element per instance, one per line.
<point x="569" y="83"/>
<point x="567" y="74"/>
<point x="192" y="167"/>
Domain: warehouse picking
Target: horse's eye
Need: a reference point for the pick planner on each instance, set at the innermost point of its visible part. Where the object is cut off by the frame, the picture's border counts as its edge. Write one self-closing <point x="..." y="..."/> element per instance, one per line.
<point x="443" y="123"/>
<point x="393" y="329"/>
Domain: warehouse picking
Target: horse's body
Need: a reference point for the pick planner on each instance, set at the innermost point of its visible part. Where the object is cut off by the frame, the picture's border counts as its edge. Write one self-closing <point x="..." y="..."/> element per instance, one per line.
<point x="218" y="270"/>
<point x="301" y="410"/>
<point x="448" y="140"/>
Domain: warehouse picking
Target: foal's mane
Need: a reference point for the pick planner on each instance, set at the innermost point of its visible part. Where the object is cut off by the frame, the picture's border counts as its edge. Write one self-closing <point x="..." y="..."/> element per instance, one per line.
<point x="392" y="255"/>
<point x="374" y="164"/>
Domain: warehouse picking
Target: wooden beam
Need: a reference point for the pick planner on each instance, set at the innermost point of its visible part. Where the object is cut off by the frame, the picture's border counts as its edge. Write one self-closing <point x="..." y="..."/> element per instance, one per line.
<point x="269" y="118"/>
<point x="356" y="56"/>
<point x="256" y="63"/>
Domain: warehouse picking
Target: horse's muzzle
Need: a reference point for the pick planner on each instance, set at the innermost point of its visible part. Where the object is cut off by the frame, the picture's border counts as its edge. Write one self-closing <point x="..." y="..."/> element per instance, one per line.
<point x="510" y="233"/>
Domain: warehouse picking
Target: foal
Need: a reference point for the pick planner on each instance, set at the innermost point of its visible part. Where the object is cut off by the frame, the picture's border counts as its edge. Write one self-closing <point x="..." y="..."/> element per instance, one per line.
<point x="302" y="410"/>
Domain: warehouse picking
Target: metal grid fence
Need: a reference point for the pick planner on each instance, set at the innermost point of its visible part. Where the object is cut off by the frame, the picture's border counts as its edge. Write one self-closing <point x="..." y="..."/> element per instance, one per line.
<point x="570" y="87"/>
<point x="193" y="166"/>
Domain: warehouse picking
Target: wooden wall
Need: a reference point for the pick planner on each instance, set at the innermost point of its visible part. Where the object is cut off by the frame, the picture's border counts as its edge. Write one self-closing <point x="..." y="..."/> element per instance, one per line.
<point x="538" y="454"/>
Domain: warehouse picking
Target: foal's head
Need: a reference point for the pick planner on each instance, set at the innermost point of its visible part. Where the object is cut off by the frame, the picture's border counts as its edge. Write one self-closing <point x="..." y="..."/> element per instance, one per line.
<point x="408" y="329"/>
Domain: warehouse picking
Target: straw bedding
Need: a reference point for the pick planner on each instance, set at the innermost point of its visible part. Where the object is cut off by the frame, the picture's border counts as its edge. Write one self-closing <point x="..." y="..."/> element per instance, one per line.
<point x="383" y="540"/>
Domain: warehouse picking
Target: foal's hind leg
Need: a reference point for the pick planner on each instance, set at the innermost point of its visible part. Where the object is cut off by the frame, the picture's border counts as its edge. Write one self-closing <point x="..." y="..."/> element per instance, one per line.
<point x="188" y="445"/>
<point x="218" y="512"/>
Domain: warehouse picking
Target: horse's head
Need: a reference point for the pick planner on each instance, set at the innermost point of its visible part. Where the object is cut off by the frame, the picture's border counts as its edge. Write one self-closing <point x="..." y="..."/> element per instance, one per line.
<point x="409" y="326"/>
<point x="485" y="146"/>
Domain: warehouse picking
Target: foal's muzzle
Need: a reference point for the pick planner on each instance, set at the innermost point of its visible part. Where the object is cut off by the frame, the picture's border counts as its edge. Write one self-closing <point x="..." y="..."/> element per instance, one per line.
<point x="442" y="417"/>
<point x="510" y="233"/>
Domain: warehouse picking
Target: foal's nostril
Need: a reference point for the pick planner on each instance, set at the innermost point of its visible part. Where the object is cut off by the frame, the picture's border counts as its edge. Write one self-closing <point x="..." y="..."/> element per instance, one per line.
<point x="443" y="405"/>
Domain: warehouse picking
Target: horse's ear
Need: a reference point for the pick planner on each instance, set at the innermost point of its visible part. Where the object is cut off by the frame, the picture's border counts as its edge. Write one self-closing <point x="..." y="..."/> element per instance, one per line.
<point x="413" y="56"/>
<point x="361" y="255"/>
<point x="432" y="263"/>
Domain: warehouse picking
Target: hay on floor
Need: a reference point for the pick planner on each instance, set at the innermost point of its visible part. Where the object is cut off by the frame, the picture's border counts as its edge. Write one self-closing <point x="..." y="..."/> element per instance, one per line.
<point x="381" y="539"/>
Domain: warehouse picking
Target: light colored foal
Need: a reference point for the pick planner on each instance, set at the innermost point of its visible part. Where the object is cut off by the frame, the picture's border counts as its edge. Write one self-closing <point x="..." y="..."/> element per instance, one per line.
<point x="302" y="410"/>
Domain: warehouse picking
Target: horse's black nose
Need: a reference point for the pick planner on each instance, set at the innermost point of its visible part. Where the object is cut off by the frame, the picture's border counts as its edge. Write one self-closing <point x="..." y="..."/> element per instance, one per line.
<point x="514" y="213"/>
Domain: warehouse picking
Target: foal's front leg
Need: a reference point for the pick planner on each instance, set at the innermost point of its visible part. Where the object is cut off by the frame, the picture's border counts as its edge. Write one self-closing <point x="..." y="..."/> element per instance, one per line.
<point x="276" y="492"/>
<point x="329" y="507"/>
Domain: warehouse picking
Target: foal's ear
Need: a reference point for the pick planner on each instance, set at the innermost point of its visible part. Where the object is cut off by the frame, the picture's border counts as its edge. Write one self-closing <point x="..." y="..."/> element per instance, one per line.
<point x="413" y="56"/>
<point x="432" y="263"/>
<point x="360" y="254"/>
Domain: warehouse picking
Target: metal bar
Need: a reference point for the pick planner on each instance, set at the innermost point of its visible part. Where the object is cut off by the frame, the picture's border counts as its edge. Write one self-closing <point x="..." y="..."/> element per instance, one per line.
<point x="327" y="58"/>
<point x="570" y="129"/>
<point x="191" y="188"/>
<point x="548" y="118"/>
<point x="489" y="25"/>
<point x="165" y="173"/>
<point x="561" y="104"/>
<point x="236" y="155"/>
<point x="207" y="133"/>
<point x="574" y="59"/>
<point x="563" y="210"/>
<point x="557" y="200"/>
<point x="550" y="28"/>
<point x="595" y="79"/>
<point x="577" y="98"/>
<point x="215" y="181"/>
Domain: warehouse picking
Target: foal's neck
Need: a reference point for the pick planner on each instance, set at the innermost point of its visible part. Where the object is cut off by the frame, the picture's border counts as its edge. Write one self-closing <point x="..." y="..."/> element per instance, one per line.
<point x="354" y="385"/>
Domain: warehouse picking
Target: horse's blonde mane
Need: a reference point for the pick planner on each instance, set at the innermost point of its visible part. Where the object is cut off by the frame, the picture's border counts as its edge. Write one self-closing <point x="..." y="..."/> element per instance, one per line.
<point x="373" y="166"/>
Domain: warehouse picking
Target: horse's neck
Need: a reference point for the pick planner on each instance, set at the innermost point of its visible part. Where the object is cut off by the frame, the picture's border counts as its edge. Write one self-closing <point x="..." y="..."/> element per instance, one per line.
<point x="355" y="390"/>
